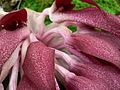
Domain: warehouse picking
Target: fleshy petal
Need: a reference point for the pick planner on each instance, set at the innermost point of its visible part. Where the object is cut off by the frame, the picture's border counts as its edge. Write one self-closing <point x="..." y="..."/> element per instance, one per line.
<point x="82" y="83"/>
<point x="9" y="41"/>
<point x="14" y="76"/>
<point x="65" y="4"/>
<point x="55" y="37"/>
<point x="97" y="45"/>
<point x="13" y="20"/>
<point x="36" y="22"/>
<point x="26" y="84"/>
<point x="106" y="73"/>
<point x="39" y="66"/>
<point x="73" y="82"/>
<point x="90" y="16"/>
<point x="10" y="63"/>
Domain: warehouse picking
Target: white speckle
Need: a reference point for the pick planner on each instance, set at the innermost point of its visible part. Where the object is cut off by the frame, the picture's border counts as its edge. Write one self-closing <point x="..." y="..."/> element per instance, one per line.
<point x="2" y="26"/>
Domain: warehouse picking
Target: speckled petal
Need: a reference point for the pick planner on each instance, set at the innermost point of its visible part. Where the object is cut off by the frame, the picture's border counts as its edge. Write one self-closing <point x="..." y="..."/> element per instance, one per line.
<point x="108" y="74"/>
<point x="90" y="16"/>
<point x="97" y="45"/>
<point x="73" y="82"/>
<point x="83" y="83"/>
<point x="10" y="20"/>
<point x="26" y="84"/>
<point x="9" y="40"/>
<point x="39" y="66"/>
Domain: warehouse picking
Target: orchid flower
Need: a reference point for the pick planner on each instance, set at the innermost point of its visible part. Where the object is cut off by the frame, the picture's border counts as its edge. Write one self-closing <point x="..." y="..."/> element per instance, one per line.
<point x="35" y="56"/>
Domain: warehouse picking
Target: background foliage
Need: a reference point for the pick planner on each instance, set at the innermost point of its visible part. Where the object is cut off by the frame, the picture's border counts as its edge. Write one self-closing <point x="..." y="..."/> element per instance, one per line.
<point x="111" y="6"/>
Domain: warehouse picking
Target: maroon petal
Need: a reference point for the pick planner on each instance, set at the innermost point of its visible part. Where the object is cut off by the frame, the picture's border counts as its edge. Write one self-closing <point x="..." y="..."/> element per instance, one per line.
<point x="9" y="41"/>
<point x="94" y="17"/>
<point x="97" y="45"/>
<point x="86" y="58"/>
<point x="108" y="74"/>
<point x="73" y="82"/>
<point x="26" y="84"/>
<point x="90" y="16"/>
<point x="65" y="4"/>
<point x="39" y="66"/>
<point x="82" y="83"/>
<point x="13" y="20"/>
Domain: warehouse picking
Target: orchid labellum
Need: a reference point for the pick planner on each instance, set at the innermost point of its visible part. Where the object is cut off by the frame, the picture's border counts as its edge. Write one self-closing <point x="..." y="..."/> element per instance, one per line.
<point x="35" y="56"/>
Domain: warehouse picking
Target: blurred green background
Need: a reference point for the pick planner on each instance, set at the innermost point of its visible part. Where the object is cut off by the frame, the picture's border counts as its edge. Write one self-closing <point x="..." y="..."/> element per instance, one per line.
<point x="111" y="6"/>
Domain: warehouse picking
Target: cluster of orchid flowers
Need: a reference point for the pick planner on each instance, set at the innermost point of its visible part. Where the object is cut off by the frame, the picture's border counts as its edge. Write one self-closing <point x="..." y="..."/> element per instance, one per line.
<point x="35" y="56"/>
